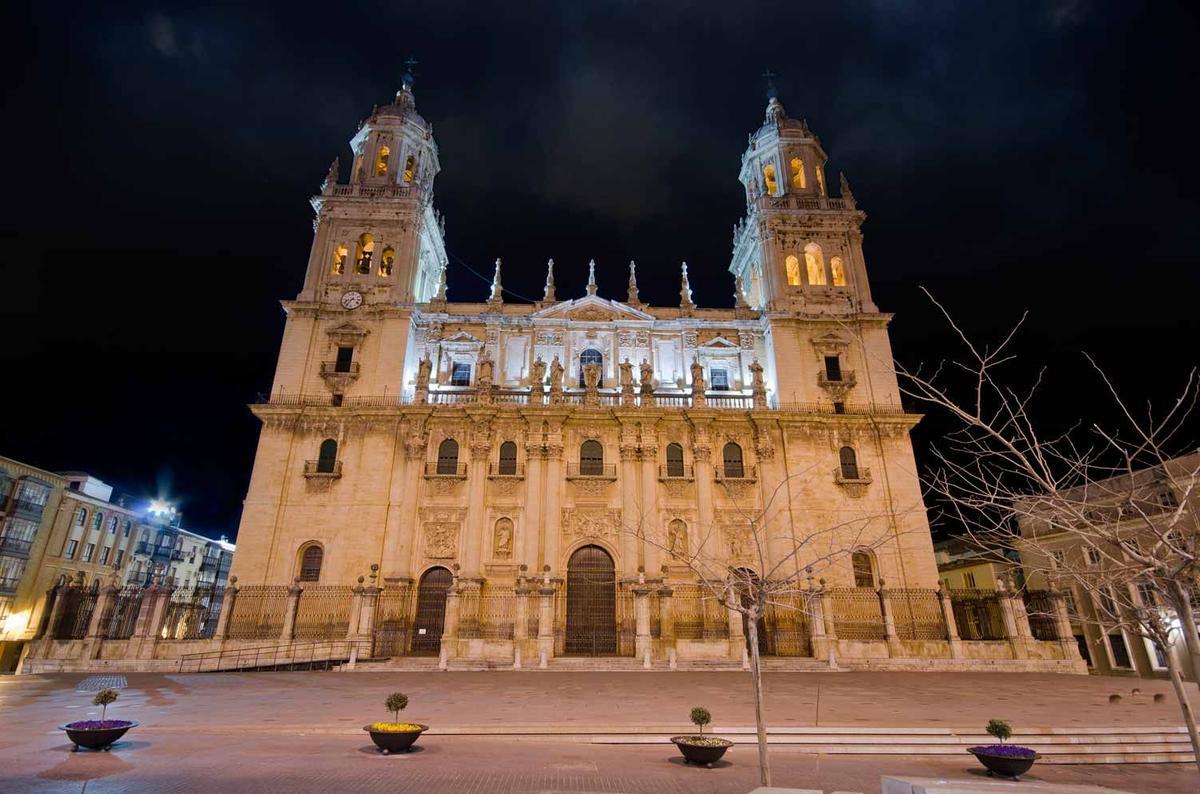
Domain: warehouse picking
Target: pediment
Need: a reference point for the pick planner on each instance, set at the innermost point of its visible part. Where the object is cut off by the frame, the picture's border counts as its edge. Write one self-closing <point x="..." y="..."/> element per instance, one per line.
<point x="462" y="339"/>
<point x="591" y="309"/>
<point x="347" y="333"/>
<point x="719" y="344"/>
<point x="830" y="343"/>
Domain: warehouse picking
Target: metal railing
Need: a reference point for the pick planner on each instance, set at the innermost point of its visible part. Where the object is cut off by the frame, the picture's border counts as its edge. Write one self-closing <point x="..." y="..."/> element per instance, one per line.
<point x="506" y="470"/>
<point x="339" y="368"/>
<point x="15" y="547"/>
<point x="25" y="506"/>
<point x="977" y="614"/>
<point x="435" y="468"/>
<point x="602" y="471"/>
<point x="322" y="468"/>
<point x="675" y="471"/>
<point x="725" y="472"/>
<point x="8" y="585"/>
<point x="312" y="655"/>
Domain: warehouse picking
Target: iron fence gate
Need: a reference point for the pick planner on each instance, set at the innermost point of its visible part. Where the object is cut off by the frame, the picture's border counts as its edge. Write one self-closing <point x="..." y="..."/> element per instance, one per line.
<point x="977" y="614"/>
<point x="391" y="620"/>
<point x="122" y="614"/>
<point x="1042" y="621"/>
<point x="591" y="603"/>
<point x="430" y="619"/>
<point x="76" y="614"/>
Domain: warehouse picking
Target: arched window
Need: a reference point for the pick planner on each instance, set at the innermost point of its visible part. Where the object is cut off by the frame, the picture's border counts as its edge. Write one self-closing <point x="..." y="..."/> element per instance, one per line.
<point x="848" y="462"/>
<point x="864" y="568"/>
<point x="97" y="520"/>
<point x="769" y="179"/>
<point x="793" y="271"/>
<point x="362" y="257"/>
<point x="112" y="525"/>
<point x="327" y="456"/>
<point x="591" y="458"/>
<point x="816" y="264"/>
<point x="387" y="261"/>
<point x="340" y="253"/>
<point x="508" y="458"/>
<point x="447" y="462"/>
<point x="311" y="557"/>
<point x="838" y="271"/>
<point x="674" y="460"/>
<point x="410" y="169"/>
<point x="125" y="528"/>
<point x="80" y="517"/>
<point x="589" y="356"/>
<point x="381" y="162"/>
<point x="798" y="173"/>
<point x="732" y="463"/>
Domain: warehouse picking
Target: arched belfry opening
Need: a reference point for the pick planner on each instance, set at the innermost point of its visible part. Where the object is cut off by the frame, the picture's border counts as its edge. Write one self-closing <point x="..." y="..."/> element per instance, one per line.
<point x="430" y="619"/>
<point x="591" y="603"/>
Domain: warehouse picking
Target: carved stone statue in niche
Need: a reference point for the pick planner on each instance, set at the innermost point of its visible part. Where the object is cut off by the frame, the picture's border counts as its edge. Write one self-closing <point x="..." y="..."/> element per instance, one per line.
<point x="756" y="373"/>
<point x="626" y="383"/>
<point x="677" y="539"/>
<point x="556" y="375"/>
<point x="537" y="375"/>
<point x="424" y="367"/>
<point x="484" y="380"/>
<point x="647" y="382"/>
<point x="502" y="543"/>
<point x="591" y="383"/>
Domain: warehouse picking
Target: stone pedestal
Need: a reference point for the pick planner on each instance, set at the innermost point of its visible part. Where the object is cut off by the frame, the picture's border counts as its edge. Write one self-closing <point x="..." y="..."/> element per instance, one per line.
<point x="895" y="649"/>
<point x="227" y="604"/>
<point x="956" y="646"/>
<point x="545" y="626"/>
<point x="288" y="632"/>
<point x="641" y="606"/>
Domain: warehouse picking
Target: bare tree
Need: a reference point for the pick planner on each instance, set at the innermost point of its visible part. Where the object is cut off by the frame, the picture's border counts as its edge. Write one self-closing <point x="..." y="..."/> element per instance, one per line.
<point x="1106" y="511"/>
<point x="761" y="562"/>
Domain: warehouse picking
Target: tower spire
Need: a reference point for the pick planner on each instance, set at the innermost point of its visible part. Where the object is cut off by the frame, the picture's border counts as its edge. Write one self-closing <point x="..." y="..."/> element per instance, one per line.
<point x="497" y="291"/>
<point x="632" y="298"/>
<point x="404" y="97"/>
<point x="548" y="295"/>
<point x="591" y="285"/>
<point x="685" y="291"/>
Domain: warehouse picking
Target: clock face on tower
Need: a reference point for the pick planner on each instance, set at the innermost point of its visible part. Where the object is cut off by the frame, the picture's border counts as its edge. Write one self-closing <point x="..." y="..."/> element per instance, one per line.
<point x="351" y="299"/>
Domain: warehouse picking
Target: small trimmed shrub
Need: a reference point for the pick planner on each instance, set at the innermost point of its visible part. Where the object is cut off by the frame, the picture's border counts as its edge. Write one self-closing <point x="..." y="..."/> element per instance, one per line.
<point x="701" y="717"/>
<point x="1000" y="729"/>
<point x="103" y="698"/>
<point x="395" y="703"/>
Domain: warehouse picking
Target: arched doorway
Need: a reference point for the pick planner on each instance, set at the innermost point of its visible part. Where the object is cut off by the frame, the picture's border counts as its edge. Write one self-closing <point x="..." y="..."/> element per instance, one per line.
<point x="591" y="603"/>
<point x="431" y="611"/>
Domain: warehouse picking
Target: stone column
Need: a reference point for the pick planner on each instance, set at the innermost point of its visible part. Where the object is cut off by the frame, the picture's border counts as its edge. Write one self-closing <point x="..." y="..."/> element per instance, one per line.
<point x="158" y="617"/>
<point x="366" y="616"/>
<point x="702" y="454"/>
<point x="545" y="620"/>
<point x="1062" y="626"/>
<point x="96" y="630"/>
<point x="553" y="485"/>
<point x="631" y="518"/>
<point x="355" y="610"/>
<point x="481" y="445"/>
<point x="649" y="554"/>
<point x="831" y="637"/>
<point x="956" y="646"/>
<point x="227" y="604"/>
<point x="816" y="624"/>
<point x="401" y="529"/>
<point x="641" y="605"/>
<point x="521" y="620"/>
<point x="448" y="646"/>
<point x="288" y="632"/>
<point x="533" y="521"/>
<point x="666" y="624"/>
<point x="142" y="627"/>
<point x="1011" y="631"/>
<point x="895" y="648"/>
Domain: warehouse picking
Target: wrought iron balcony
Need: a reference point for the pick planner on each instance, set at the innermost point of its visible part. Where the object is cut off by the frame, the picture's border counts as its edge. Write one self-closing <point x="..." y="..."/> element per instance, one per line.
<point x="178" y="555"/>
<point x="149" y="549"/>
<point x="339" y="368"/>
<point x="27" y="507"/>
<point x="595" y="471"/>
<point x="743" y="473"/>
<point x="15" y="547"/>
<point x="675" y="472"/>
<point x="8" y="585"/>
<point x="513" y="469"/>
<point x="210" y="562"/>
<point x="445" y="469"/>
<point x="329" y="469"/>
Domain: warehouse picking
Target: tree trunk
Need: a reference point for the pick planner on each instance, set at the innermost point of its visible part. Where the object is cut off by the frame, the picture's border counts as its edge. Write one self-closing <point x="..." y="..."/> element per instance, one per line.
<point x="1187" y="624"/>
<point x="1184" y="704"/>
<point x="764" y="764"/>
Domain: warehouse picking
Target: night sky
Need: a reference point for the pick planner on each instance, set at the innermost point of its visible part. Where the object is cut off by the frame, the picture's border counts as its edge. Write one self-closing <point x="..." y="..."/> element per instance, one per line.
<point x="1010" y="156"/>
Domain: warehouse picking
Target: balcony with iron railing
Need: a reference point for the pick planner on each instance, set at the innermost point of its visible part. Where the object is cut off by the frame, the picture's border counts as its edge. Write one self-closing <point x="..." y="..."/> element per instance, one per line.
<point x="28" y="508"/>
<point x="328" y="469"/>
<point x="155" y="550"/>
<point x="339" y="368"/>
<point x="745" y="472"/>
<point x="210" y="562"/>
<point x="675" y="471"/>
<point x="15" y="547"/>
<point x="844" y="379"/>
<point x="505" y="469"/>
<point x="8" y="585"/>
<point x="442" y="468"/>
<point x="593" y="471"/>
<point x="178" y="555"/>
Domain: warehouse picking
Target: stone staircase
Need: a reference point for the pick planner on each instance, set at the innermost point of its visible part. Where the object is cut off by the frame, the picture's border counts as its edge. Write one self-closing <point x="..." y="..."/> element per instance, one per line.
<point x="596" y="664"/>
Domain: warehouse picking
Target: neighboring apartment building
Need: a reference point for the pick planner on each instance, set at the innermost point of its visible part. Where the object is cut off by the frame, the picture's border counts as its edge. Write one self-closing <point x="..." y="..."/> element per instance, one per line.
<point x="29" y="503"/>
<point x="1113" y="650"/>
<point x="964" y="565"/>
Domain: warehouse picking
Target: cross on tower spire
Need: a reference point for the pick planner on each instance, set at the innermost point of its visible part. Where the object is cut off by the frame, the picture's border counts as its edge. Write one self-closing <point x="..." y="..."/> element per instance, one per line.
<point x="769" y="76"/>
<point x="409" y="75"/>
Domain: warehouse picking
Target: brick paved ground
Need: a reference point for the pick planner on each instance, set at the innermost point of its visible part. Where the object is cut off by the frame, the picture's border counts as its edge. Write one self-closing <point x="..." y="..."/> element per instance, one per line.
<point x="300" y="732"/>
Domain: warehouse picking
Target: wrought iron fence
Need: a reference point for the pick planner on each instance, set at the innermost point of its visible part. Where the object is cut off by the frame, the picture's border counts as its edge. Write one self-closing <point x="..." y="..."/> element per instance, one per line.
<point x="917" y="614"/>
<point x="497" y="612"/>
<point x="192" y="613"/>
<point x="323" y="612"/>
<point x="393" y="606"/>
<point x="258" y="612"/>
<point x="977" y="614"/>
<point x="1042" y="621"/>
<point x="468" y="613"/>
<point x="533" y="612"/>
<point x="857" y="614"/>
<point x="697" y="614"/>
<point x="786" y="625"/>
<point x="78" y="605"/>
<point x="120" y="617"/>
<point x="626" y="623"/>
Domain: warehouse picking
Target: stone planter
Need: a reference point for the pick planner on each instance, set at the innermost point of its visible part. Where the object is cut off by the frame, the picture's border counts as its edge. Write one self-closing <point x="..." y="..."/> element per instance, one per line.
<point x="390" y="742"/>
<point x="1005" y="760"/>
<point x="701" y="750"/>
<point x="96" y="734"/>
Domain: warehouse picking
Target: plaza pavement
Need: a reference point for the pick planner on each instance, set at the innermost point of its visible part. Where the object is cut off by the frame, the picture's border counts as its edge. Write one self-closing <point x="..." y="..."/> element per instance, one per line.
<point x="301" y="732"/>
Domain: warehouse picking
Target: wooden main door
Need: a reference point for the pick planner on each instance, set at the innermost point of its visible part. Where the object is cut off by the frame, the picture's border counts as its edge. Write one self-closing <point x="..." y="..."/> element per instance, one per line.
<point x="591" y="603"/>
<point x="431" y="612"/>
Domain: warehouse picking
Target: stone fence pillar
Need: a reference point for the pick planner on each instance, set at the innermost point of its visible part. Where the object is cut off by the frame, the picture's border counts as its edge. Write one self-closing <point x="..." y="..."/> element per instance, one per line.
<point x="816" y="624"/>
<point x="141" y="628"/>
<point x="221" y="632"/>
<point x="160" y="600"/>
<point x="827" y="614"/>
<point x="666" y="624"/>
<point x="1062" y="626"/>
<point x="641" y="607"/>
<point x="737" y="632"/>
<point x="545" y="621"/>
<point x="895" y="648"/>
<point x="448" y="646"/>
<point x="956" y="646"/>
<point x="1011" y="630"/>
<point x="356" y="602"/>
<point x="288" y="632"/>
<point x="522" y="593"/>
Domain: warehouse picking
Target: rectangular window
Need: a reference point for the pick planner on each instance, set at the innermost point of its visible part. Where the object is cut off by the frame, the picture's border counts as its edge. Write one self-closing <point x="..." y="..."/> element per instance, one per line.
<point x="345" y="357"/>
<point x="720" y="379"/>
<point x="120" y="558"/>
<point x="1107" y="604"/>
<point x="125" y="532"/>
<point x="104" y="552"/>
<point x="72" y="547"/>
<point x="1069" y="597"/>
<point x="88" y="551"/>
<point x="460" y="375"/>
<point x="1093" y="555"/>
<point x="1120" y="652"/>
<point x="969" y="579"/>
<point x="833" y="368"/>
<point x="1060" y="557"/>
<point x="1156" y="655"/>
<point x="839" y="408"/>
<point x="1146" y="594"/>
<point x="80" y="517"/>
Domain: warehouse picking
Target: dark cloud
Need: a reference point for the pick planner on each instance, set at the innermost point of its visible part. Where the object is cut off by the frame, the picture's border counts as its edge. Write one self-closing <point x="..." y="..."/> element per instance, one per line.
<point x="1011" y="155"/>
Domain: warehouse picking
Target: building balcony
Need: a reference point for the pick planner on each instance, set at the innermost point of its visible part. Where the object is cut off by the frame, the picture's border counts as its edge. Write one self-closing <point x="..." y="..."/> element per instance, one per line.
<point x="15" y="547"/>
<point x="675" y="472"/>
<point x="8" y="585"/>
<point x="860" y="475"/>
<point x="32" y="509"/>
<point x="323" y="469"/>
<point x="178" y="555"/>
<point x="845" y="380"/>
<point x="744" y="473"/>
<point x="338" y="375"/>
<point x="154" y="550"/>
<point x="591" y="471"/>
<point x="210" y="562"/>
<point x="445" y="469"/>
<point x="505" y="470"/>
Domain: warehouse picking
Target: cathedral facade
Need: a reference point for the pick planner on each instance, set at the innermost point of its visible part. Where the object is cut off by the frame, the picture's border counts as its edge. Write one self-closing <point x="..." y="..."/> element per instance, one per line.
<point x="582" y="445"/>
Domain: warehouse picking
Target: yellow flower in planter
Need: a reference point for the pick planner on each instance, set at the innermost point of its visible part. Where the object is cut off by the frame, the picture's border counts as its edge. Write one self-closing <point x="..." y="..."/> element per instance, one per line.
<point x="395" y="727"/>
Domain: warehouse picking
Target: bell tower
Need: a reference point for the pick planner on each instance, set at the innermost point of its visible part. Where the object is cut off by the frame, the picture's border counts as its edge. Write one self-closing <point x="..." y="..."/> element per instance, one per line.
<point x="377" y="236"/>
<point x="798" y="257"/>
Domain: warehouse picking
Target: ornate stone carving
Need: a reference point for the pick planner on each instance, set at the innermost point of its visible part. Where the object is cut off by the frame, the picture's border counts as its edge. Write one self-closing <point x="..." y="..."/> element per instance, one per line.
<point x="502" y="539"/>
<point x="441" y="528"/>
<point x="579" y="523"/>
<point x="590" y="486"/>
<point x="690" y="339"/>
<point x="505" y="486"/>
<point x="444" y="486"/>
<point x="549" y="337"/>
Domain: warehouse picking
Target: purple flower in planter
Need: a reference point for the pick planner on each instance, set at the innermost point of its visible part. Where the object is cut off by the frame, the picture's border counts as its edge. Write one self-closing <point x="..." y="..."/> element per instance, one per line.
<point x="1006" y="750"/>
<point x="98" y="725"/>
